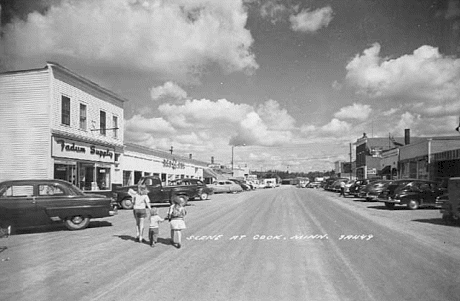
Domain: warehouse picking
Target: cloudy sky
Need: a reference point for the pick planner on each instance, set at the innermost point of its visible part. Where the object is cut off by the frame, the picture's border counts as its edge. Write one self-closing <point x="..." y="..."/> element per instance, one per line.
<point x="289" y="83"/>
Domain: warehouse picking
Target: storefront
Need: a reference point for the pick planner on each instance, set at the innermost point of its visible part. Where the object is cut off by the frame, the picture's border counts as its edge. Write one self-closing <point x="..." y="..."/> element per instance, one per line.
<point x="138" y="161"/>
<point x="89" y="166"/>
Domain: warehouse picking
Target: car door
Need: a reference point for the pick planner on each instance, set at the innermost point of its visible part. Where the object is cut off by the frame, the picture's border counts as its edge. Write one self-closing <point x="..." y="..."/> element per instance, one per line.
<point x="156" y="192"/>
<point x="430" y="193"/>
<point x="18" y="205"/>
<point x="50" y="196"/>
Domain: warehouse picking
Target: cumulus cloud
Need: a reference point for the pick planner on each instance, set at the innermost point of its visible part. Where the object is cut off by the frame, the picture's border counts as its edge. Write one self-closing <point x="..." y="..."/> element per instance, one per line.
<point x="355" y="111"/>
<point x="273" y="10"/>
<point x="390" y="112"/>
<point x="168" y="90"/>
<point x="336" y="128"/>
<point x="204" y="112"/>
<point x="253" y="131"/>
<point x="201" y="121"/>
<point x="311" y="21"/>
<point x="172" y="38"/>
<point x="425" y="75"/>
<point x="139" y="123"/>
<point x="275" y="117"/>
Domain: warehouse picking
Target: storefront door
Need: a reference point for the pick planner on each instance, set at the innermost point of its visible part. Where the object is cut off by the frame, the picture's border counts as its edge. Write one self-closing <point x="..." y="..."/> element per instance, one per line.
<point x="85" y="175"/>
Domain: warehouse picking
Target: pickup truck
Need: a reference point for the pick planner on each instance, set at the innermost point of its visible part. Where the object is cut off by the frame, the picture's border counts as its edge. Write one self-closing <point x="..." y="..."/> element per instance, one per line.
<point x="157" y="192"/>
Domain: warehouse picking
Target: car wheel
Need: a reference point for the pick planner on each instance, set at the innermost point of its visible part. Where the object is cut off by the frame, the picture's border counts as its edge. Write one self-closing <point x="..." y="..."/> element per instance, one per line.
<point x="390" y="205"/>
<point x="127" y="203"/>
<point x="77" y="222"/>
<point x="413" y="204"/>
<point x="203" y="196"/>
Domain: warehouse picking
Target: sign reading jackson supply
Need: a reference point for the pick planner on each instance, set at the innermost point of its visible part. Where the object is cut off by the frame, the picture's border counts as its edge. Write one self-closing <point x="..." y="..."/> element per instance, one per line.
<point x="66" y="148"/>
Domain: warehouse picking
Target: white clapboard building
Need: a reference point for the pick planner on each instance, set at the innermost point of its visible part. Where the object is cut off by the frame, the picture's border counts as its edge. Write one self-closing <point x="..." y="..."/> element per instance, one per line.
<point x="56" y="124"/>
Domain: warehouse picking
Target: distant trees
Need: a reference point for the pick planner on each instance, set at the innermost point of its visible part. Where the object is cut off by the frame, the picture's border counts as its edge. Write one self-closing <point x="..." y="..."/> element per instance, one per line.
<point x="288" y="175"/>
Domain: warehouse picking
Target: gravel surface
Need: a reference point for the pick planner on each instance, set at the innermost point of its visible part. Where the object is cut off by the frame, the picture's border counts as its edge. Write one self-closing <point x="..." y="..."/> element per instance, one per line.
<point x="285" y="243"/>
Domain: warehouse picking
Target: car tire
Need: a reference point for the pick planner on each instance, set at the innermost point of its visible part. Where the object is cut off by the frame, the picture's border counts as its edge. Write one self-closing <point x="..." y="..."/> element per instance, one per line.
<point x="204" y="196"/>
<point x="390" y="205"/>
<point x="77" y="222"/>
<point x="413" y="204"/>
<point x="127" y="203"/>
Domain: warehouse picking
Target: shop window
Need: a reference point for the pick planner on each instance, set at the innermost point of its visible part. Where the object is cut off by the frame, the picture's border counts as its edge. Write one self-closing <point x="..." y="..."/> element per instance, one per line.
<point x="127" y="177"/>
<point x="137" y="176"/>
<point x="102" y="123"/>
<point x="115" y="126"/>
<point x="103" y="178"/>
<point x="65" y="110"/>
<point x="83" y="117"/>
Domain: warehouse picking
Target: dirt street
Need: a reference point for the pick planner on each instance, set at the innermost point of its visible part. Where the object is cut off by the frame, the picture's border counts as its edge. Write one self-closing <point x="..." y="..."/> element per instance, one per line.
<point x="284" y="243"/>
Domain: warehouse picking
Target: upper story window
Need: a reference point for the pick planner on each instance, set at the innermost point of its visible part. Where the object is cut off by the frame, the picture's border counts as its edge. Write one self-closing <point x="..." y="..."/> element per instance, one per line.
<point x="115" y="126"/>
<point x="82" y="117"/>
<point x="102" y="123"/>
<point x="65" y="110"/>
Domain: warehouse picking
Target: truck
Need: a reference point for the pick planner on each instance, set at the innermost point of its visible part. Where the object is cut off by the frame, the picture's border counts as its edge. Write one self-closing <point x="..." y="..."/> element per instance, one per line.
<point x="157" y="192"/>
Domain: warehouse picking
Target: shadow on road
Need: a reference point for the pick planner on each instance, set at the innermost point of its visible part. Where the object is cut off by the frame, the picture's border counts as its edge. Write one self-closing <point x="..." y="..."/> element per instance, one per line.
<point x="59" y="227"/>
<point x="164" y="241"/>
<point x="435" y="221"/>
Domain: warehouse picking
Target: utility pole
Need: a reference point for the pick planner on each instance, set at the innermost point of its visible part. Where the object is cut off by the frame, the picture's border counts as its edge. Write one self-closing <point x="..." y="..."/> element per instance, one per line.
<point x="351" y="164"/>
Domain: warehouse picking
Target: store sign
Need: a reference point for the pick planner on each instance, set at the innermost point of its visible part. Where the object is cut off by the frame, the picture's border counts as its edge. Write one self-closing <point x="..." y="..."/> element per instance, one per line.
<point x="173" y="164"/>
<point x="80" y="150"/>
<point x="372" y="171"/>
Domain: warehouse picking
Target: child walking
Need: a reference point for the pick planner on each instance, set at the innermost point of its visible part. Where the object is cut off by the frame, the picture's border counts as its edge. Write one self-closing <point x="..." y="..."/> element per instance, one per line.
<point x="141" y="201"/>
<point x="154" y="228"/>
<point x="176" y="214"/>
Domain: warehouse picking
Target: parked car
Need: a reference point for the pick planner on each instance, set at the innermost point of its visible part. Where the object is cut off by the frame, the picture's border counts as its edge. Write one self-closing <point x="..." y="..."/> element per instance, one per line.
<point x="372" y="190"/>
<point x="226" y="186"/>
<point x="413" y="193"/>
<point x="203" y="191"/>
<point x="356" y="186"/>
<point x="335" y="186"/>
<point x="328" y="182"/>
<point x="157" y="192"/>
<point x="314" y="185"/>
<point x="29" y="203"/>
<point x="242" y="184"/>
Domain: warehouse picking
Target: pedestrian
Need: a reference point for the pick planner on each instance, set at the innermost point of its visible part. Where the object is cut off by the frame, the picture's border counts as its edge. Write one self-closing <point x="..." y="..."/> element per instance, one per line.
<point x="154" y="228"/>
<point x="342" y="189"/>
<point x="141" y="201"/>
<point x="176" y="214"/>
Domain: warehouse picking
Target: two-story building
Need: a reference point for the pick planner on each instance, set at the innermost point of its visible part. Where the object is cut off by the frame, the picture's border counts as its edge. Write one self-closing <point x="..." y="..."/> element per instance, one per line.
<point x="56" y="124"/>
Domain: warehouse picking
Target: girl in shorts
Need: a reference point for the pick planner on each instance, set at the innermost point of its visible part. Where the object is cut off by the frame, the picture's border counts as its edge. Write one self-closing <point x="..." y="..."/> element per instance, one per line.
<point x="141" y="201"/>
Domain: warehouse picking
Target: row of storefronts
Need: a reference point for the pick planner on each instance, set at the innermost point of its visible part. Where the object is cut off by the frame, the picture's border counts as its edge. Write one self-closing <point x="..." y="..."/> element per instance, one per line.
<point x="58" y="125"/>
<point x="432" y="158"/>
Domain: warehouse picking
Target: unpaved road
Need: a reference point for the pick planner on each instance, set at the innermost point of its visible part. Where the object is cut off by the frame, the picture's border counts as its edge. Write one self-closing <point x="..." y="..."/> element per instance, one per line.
<point x="275" y="244"/>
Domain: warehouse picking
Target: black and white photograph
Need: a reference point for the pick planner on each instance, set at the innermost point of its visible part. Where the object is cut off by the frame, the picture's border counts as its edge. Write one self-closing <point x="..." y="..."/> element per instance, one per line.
<point x="240" y="150"/>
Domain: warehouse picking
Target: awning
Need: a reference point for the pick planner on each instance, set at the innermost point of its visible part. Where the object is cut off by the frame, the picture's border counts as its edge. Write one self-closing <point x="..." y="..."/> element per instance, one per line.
<point x="386" y="170"/>
<point x="209" y="173"/>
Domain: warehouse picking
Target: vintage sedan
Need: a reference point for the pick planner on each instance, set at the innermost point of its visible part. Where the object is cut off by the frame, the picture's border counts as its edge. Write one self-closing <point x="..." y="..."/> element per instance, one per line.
<point x="227" y="186"/>
<point x="28" y="203"/>
<point x="413" y="193"/>
<point x="203" y="190"/>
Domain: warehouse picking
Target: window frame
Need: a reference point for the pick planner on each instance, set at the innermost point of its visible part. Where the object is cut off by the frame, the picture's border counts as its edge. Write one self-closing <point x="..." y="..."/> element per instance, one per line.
<point x="65" y="110"/>
<point x="115" y="126"/>
<point x="83" y="119"/>
<point x="102" y="123"/>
